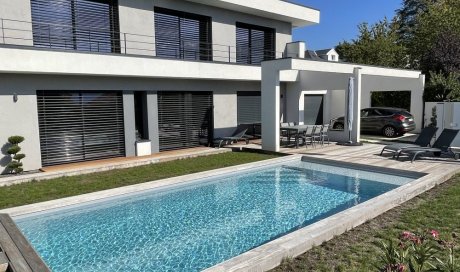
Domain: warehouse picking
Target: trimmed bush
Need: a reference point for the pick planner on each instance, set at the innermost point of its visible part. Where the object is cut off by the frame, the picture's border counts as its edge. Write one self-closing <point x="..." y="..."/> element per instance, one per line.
<point x="15" y="140"/>
<point x="14" y="150"/>
<point x="15" y="166"/>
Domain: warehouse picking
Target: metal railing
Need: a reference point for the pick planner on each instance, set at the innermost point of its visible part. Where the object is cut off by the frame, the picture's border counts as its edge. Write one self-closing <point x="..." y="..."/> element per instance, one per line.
<point x="65" y="37"/>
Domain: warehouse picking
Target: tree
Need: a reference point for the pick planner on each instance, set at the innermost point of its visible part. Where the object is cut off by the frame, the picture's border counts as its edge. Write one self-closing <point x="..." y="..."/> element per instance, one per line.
<point x="407" y="17"/>
<point x="436" y="40"/>
<point x="376" y="45"/>
<point x="441" y="87"/>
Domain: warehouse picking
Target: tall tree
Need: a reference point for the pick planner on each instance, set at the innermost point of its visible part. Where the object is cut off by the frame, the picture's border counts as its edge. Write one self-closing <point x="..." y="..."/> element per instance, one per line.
<point x="436" y="41"/>
<point x="407" y="17"/>
<point x="375" y="45"/>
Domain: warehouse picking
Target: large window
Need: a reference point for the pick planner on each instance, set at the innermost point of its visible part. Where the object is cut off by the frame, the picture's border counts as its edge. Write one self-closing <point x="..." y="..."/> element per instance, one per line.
<point x="254" y="44"/>
<point x="182" y="35"/>
<point x="84" y="25"/>
<point x="185" y="119"/>
<point x="80" y="126"/>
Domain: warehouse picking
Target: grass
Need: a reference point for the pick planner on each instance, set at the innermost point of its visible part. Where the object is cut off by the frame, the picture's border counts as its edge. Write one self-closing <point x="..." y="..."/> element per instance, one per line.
<point x="355" y="250"/>
<point x="34" y="192"/>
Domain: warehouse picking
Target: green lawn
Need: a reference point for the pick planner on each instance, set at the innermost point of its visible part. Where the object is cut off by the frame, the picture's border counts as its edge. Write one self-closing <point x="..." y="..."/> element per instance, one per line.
<point x="355" y="250"/>
<point x="34" y="192"/>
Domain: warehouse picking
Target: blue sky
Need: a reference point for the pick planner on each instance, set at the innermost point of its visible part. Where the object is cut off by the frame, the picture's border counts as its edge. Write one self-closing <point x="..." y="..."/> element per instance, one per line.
<point x="340" y="18"/>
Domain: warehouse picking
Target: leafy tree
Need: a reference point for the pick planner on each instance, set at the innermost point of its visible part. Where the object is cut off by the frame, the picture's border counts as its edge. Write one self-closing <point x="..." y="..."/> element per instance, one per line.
<point x="436" y="41"/>
<point x="407" y="17"/>
<point x="376" y="45"/>
<point x="441" y="87"/>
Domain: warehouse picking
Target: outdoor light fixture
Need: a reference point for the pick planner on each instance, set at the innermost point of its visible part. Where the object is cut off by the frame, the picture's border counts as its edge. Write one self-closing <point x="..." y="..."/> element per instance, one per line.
<point x="15" y="97"/>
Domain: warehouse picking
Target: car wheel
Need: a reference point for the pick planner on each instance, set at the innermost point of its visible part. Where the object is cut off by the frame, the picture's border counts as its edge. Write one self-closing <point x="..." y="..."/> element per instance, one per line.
<point x="339" y="126"/>
<point x="389" y="131"/>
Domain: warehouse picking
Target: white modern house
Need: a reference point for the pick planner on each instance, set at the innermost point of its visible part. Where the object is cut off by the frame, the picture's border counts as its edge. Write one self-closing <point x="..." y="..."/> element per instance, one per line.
<point x="88" y="79"/>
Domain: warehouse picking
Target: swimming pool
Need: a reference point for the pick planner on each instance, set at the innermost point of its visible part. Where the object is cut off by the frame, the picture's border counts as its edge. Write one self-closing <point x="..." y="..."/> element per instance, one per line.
<point x="193" y="226"/>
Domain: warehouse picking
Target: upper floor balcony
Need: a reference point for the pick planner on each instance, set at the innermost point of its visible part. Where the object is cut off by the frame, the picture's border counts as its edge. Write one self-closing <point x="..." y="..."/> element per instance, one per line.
<point x="252" y="46"/>
<point x="172" y="35"/>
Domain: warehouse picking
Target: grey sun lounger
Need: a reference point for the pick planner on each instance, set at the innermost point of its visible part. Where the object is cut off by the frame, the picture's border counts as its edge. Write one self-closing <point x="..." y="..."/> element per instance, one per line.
<point x="442" y="145"/>
<point x="237" y="136"/>
<point x="423" y="140"/>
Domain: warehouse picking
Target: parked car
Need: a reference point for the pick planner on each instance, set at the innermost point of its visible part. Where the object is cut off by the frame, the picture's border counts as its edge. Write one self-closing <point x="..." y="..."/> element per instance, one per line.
<point x="390" y="122"/>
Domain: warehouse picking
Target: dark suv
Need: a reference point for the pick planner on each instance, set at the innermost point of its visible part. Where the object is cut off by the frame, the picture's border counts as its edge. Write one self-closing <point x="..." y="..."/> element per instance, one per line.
<point x="390" y="122"/>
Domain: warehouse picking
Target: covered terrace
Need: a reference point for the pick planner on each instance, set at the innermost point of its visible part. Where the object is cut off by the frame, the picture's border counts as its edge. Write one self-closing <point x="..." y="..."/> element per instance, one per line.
<point x="286" y="101"/>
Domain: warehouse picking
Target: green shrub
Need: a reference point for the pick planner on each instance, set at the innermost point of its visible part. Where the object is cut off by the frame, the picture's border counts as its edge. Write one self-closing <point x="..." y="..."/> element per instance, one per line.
<point x="19" y="157"/>
<point x="15" y="166"/>
<point x="14" y="150"/>
<point x="15" y="140"/>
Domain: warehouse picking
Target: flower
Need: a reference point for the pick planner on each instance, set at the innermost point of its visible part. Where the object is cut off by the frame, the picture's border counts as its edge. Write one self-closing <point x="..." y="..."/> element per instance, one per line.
<point x="406" y="235"/>
<point x="434" y="233"/>
<point x="401" y="268"/>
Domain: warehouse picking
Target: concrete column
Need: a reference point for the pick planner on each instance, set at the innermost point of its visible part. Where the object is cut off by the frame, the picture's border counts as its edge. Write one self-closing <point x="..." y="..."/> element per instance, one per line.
<point x="130" y="123"/>
<point x="270" y="107"/>
<point x="152" y="121"/>
<point x="416" y="103"/>
<point x="356" y="132"/>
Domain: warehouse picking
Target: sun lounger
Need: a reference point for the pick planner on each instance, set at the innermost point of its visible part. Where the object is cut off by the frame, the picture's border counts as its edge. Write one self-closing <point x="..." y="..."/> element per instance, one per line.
<point x="237" y="136"/>
<point x="441" y="146"/>
<point x="423" y="140"/>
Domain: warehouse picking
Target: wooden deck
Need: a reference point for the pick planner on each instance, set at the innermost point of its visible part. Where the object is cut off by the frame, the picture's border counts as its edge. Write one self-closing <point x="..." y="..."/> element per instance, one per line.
<point x="369" y="154"/>
<point x="163" y="156"/>
<point x="16" y="251"/>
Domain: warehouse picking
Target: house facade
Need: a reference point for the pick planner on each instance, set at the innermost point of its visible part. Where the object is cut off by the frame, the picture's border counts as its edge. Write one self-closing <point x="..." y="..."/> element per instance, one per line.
<point x="85" y="80"/>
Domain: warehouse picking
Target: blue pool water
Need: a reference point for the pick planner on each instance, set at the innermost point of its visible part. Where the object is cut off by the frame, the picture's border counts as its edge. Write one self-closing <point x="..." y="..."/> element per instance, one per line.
<point x="195" y="226"/>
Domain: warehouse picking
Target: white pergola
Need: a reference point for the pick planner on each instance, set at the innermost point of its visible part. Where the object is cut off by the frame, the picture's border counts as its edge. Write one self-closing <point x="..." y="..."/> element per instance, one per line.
<point x="295" y="77"/>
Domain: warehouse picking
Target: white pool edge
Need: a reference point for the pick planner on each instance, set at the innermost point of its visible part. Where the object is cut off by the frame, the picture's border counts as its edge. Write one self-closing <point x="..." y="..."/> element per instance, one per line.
<point x="271" y="254"/>
<point x="139" y="188"/>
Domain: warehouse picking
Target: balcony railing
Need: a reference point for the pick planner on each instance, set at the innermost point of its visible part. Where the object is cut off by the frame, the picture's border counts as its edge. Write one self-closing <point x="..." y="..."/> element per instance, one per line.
<point x="64" y="37"/>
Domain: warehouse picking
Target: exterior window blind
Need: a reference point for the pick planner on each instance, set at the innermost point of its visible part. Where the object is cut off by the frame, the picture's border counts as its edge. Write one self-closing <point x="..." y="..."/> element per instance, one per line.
<point x="185" y="119"/>
<point x="80" y="126"/>
<point x="83" y="25"/>
<point x="254" y="44"/>
<point x="248" y="108"/>
<point x="182" y="35"/>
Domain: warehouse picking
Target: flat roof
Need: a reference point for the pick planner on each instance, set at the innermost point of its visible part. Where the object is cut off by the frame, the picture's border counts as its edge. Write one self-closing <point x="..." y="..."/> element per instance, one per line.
<point x="282" y="10"/>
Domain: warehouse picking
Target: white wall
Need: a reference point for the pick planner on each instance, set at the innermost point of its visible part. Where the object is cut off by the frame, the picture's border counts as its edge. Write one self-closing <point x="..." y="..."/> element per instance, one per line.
<point x="136" y="17"/>
<point x="225" y="113"/>
<point x="19" y="118"/>
<point x="382" y="84"/>
<point x="337" y="103"/>
<point x="12" y="11"/>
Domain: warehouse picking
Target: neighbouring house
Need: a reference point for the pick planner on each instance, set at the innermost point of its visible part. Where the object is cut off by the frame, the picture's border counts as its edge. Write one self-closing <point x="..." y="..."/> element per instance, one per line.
<point x="91" y="79"/>
<point x="328" y="54"/>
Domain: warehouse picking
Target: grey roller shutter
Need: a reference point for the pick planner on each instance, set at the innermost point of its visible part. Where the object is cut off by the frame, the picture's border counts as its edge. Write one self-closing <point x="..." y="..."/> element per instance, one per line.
<point x="254" y="44"/>
<point x="185" y="119"/>
<point x="249" y="108"/>
<point x="80" y="126"/>
<point x="83" y="25"/>
<point x="182" y="35"/>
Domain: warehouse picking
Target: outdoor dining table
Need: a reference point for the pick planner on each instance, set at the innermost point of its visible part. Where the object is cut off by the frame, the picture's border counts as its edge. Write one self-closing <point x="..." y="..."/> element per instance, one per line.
<point x="295" y="130"/>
